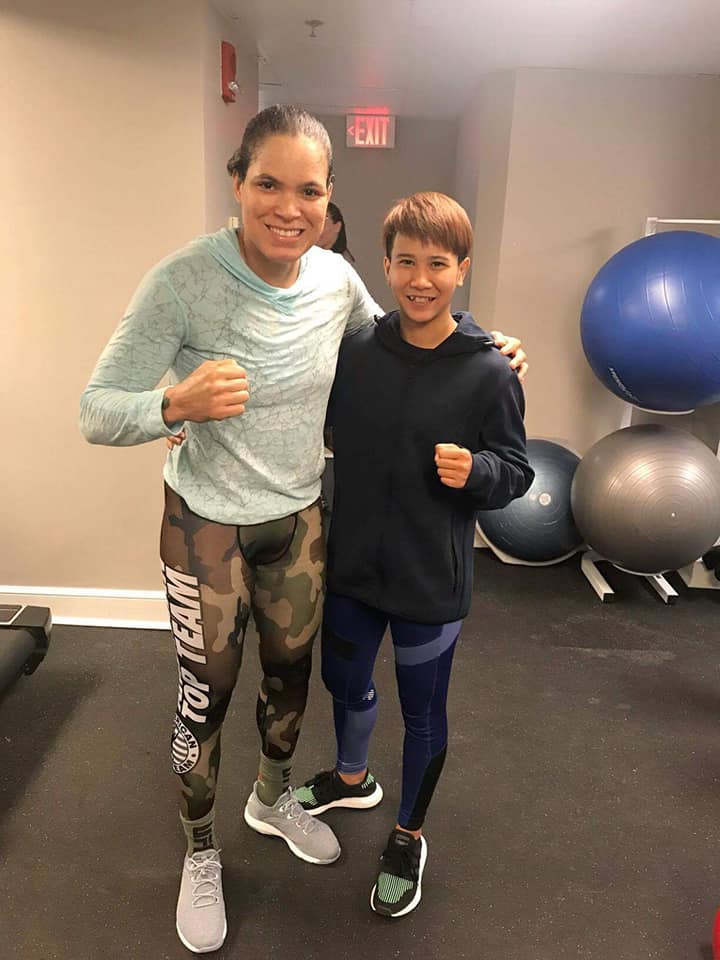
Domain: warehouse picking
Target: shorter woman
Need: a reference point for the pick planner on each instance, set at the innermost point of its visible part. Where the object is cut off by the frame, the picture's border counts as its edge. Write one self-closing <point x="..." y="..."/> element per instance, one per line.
<point x="427" y="422"/>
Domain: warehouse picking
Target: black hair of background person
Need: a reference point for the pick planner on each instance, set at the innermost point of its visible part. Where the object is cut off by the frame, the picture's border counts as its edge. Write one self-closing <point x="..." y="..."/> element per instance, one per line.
<point x="340" y="245"/>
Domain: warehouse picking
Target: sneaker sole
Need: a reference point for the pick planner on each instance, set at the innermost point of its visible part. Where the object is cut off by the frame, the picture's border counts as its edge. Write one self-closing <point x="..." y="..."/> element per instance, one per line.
<point x="270" y="831"/>
<point x="350" y="803"/>
<point x="418" y="893"/>
<point x="193" y="949"/>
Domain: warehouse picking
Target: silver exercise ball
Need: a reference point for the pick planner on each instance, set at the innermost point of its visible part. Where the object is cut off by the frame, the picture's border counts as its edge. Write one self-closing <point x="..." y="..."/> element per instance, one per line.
<point x="647" y="498"/>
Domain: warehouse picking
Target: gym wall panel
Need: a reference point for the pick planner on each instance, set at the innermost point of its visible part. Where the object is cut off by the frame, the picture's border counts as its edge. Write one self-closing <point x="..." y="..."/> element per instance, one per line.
<point x="104" y="173"/>
<point x="590" y="157"/>
<point x="481" y="184"/>
<point x="224" y="122"/>
<point x="369" y="181"/>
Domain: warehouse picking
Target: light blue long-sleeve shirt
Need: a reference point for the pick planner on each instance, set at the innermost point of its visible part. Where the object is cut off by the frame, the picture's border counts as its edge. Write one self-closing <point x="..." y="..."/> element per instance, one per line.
<point x="204" y="303"/>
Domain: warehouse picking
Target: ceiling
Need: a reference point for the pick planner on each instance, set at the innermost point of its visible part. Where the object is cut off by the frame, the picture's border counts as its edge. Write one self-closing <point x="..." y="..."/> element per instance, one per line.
<point x="424" y="57"/>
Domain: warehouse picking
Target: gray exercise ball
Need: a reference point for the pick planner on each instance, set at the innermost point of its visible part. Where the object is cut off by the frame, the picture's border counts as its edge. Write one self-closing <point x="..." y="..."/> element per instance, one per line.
<point x="647" y="498"/>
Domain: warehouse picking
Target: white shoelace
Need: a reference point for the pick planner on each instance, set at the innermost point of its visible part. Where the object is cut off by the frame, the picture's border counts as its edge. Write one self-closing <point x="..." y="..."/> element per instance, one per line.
<point x="293" y="810"/>
<point x="204" y="868"/>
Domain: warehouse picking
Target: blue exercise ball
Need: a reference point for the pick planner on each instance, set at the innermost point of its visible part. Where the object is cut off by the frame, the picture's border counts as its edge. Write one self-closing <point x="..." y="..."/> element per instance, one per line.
<point x="539" y="527"/>
<point x="651" y="322"/>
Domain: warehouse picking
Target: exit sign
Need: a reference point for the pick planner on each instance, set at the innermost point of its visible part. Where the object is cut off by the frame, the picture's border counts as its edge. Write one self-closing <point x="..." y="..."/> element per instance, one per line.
<point x="369" y="130"/>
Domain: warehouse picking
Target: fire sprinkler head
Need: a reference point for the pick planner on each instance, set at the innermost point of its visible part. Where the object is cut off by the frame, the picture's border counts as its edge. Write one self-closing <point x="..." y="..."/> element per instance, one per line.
<point x="314" y="24"/>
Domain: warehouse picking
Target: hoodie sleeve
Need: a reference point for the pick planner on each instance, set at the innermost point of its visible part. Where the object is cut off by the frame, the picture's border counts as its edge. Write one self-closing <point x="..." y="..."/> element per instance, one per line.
<point x="121" y="405"/>
<point x="500" y="471"/>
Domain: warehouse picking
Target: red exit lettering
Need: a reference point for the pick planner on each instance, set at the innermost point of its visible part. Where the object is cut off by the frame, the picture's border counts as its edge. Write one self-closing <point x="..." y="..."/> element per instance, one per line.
<point x="366" y="130"/>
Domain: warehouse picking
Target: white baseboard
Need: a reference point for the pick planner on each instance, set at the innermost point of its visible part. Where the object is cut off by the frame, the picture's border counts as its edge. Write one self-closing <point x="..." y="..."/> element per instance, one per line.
<point x="92" y="607"/>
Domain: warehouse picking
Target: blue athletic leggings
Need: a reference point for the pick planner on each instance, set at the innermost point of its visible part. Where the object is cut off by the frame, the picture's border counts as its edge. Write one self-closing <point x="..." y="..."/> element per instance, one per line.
<point x="351" y="637"/>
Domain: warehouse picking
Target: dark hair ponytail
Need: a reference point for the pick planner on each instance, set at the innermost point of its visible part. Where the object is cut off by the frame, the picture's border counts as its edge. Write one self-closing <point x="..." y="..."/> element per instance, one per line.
<point x="283" y="120"/>
<point x="340" y="245"/>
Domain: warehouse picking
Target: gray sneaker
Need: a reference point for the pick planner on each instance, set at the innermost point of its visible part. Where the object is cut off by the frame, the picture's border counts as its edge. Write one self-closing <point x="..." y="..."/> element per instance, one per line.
<point x="307" y="837"/>
<point x="200" y="918"/>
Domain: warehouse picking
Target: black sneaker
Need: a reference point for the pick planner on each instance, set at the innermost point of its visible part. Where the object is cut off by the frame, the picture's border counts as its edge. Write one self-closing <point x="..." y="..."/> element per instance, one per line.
<point x="399" y="884"/>
<point x="327" y="790"/>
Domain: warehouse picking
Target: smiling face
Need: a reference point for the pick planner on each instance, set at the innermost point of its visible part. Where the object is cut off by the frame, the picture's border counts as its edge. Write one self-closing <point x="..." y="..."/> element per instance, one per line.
<point x="283" y="200"/>
<point x="423" y="278"/>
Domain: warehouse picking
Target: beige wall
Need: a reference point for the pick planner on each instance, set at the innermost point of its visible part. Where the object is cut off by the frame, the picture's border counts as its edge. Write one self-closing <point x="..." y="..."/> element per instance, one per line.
<point x="368" y="181"/>
<point x="481" y="178"/>
<point x="115" y="156"/>
<point x="102" y="174"/>
<point x="591" y="156"/>
<point x="224" y="122"/>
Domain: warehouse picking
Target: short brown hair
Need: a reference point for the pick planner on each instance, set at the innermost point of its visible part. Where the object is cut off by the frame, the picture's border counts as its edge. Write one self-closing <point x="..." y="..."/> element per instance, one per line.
<point x="429" y="217"/>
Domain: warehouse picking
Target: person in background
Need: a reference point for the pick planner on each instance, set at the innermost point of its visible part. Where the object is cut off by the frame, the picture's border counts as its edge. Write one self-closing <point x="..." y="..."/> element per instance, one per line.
<point x="334" y="233"/>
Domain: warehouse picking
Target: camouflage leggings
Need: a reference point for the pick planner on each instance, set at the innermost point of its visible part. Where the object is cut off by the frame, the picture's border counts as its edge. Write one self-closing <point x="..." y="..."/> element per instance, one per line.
<point x="215" y="574"/>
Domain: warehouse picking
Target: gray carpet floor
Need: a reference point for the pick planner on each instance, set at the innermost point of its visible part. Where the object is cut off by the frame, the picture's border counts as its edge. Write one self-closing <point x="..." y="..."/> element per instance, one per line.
<point x="578" y="815"/>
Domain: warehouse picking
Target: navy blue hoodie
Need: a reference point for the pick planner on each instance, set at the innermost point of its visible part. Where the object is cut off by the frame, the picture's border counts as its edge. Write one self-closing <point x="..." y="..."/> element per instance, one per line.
<point x="400" y="540"/>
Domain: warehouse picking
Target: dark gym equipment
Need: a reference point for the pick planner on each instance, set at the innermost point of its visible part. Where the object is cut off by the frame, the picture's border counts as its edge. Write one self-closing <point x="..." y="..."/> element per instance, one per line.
<point x="24" y="638"/>
<point x="539" y="527"/>
<point x="711" y="561"/>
